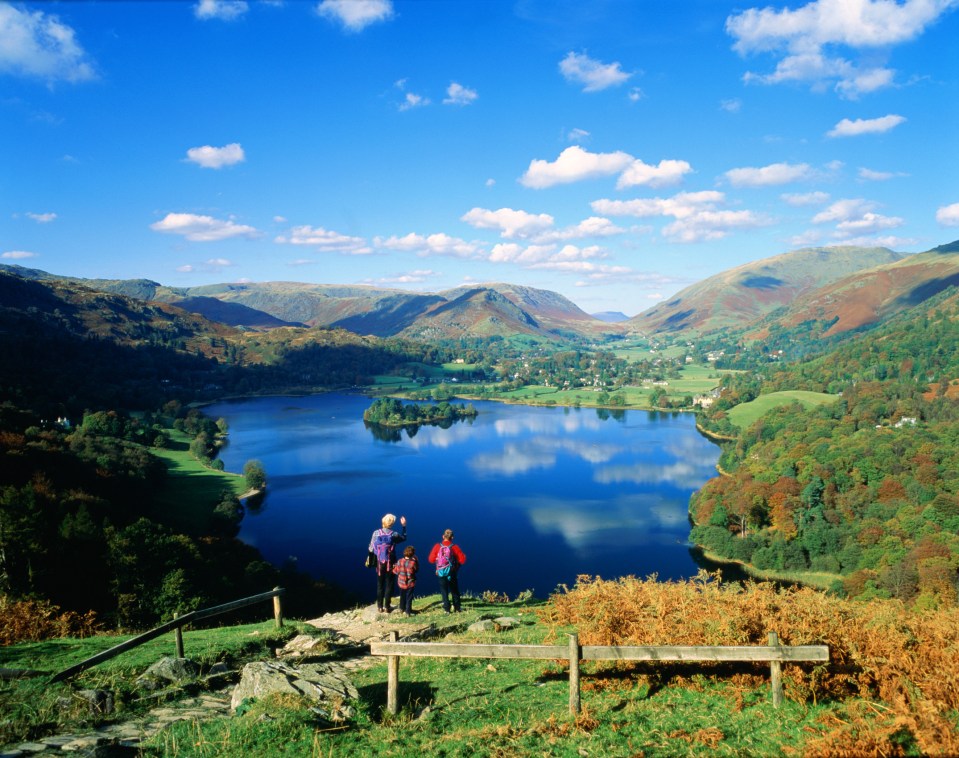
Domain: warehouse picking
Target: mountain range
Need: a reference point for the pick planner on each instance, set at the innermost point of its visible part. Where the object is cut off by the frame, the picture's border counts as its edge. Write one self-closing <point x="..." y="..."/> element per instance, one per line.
<point x="839" y="288"/>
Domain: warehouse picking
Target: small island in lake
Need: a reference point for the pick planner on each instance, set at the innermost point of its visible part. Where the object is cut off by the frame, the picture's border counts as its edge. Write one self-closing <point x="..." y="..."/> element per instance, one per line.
<point x="388" y="411"/>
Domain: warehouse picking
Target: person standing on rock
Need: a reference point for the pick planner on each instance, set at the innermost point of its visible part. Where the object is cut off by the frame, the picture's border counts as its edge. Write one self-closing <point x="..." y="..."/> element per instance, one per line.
<point x="383" y="546"/>
<point x="406" y="569"/>
<point x="448" y="558"/>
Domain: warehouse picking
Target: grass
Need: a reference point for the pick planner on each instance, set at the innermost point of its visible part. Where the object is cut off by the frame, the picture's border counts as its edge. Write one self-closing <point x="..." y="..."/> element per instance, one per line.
<point x="192" y="490"/>
<point x="745" y="414"/>
<point x="448" y="707"/>
<point x="30" y="707"/>
<point x="478" y="707"/>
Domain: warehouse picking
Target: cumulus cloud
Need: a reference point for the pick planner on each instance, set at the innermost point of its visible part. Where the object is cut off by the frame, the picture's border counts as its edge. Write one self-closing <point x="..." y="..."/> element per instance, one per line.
<point x="324" y="240"/>
<point x="356" y="15"/>
<point x="948" y="215"/>
<point x="223" y="10"/>
<point x="806" y="198"/>
<point x="867" y="223"/>
<point x="36" y="44"/>
<point x="432" y="244"/>
<point x="412" y="100"/>
<point x="508" y="222"/>
<point x="697" y="217"/>
<point x="457" y="94"/>
<point x="807" y="40"/>
<point x="17" y="255"/>
<point x="574" y="164"/>
<point x="592" y="74"/>
<point x="775" y="173"/>
<point x="667" y="172"/>
<point x="594" y="226"/>
<point x="202" y="228"/>
<point x="42" y="218"/>
<point x="577" y="135"/>
<point x="853" y="128"/>
<point x="216" y="157"/>
<point x="732" y="105"/>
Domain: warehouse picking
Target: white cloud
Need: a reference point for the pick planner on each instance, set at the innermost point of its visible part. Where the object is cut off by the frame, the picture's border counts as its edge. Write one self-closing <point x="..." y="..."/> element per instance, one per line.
<point x="890" y="241"/>
<point x="217" y="264"/>
<point x="356" y="15"/>
<point x="697" y="218"/>
<point x="574" y="164"/>
<point x="594" y="226"/>
<point x="869" y="175"/>
<point x="844" y="210"/>
<point x="849" y="128"/>
<point x="186" y="268"/>
<point x="667" y="172"/>
<point x="593" y="75"/>
<point x="577" y="135"/>
<point x="733" y="105"/>
<point x="412" y="100"/>
<point x="433" y="244"/>
<point x="868" y="223"/>
<point x="807" y="36"/>
<point x="42" y="218"/>
<point x="457" y="94"/>
<point x="18" y="255"/>
<point x="806" y="239"/>
<point x="216" y="157"/>
<point x="36" y="44"/>
<point x="411" y="277"/>
<point x="224" y="10"/>
<point x="775" y="173"/>
<point x="948" y="215"/>
<point x="806" y="198"/>
<point x="636" y="94"/>
<point x="202" y="228"/>
<point x="510" y="223"/>
<point x="324" y="240"/>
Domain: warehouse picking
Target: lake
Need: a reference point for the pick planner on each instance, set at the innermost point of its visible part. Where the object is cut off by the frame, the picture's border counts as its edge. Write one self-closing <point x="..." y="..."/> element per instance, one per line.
<point x="535" y="495"/>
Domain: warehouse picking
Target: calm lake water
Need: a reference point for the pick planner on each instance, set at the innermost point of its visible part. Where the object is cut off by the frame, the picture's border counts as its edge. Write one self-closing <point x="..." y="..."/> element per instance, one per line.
<point x="535" y="496"/>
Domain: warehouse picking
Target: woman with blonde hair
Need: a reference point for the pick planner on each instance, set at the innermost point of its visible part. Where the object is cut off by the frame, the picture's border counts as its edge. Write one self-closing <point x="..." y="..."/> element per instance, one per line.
<point x="383" y="547"/>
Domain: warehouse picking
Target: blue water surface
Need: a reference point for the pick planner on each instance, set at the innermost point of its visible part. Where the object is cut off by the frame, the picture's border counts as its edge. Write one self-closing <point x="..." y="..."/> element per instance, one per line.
<point x="535" y="495"/>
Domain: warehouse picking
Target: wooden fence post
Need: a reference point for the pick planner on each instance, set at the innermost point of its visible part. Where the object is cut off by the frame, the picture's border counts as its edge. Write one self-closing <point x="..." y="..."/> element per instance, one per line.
<point x="277" y="609"/>
<point x="776" y="673"/>
<point x="393" y="679"/>
<point x="574" y="674"/>
<point x="178" y="637"/>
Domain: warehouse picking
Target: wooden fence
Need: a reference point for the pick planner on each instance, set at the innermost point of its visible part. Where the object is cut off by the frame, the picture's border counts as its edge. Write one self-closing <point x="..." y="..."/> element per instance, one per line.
<point x="177" y="625"/>
<point x="775" y="654"/>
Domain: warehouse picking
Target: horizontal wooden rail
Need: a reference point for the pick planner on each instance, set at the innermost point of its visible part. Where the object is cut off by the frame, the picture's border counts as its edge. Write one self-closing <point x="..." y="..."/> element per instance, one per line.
<point x="605" y="653"/>
<point x="176" y="623"/>
<point x="774" y="654"/>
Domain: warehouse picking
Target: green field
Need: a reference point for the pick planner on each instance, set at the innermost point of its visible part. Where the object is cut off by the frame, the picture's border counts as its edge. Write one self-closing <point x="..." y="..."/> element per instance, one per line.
<point x="745" y="414"/>
<point x="192" y="490"/>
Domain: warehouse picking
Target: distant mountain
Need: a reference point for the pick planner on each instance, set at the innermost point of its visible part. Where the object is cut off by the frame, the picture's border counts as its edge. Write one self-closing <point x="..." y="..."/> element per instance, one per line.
<point x="480" y="310"/>
<point x="611" y="317"/>
<point x="870" y="296"/>
<point x="741" y="296"/>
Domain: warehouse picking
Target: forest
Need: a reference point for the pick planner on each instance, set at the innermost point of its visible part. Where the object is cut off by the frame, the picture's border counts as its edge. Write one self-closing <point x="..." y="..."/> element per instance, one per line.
<point x="864" y="491"/>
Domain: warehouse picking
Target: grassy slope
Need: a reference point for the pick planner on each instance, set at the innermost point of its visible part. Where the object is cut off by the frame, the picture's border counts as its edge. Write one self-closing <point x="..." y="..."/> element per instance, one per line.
<point x="745" y="414"/>
<point x="192" y="490"/>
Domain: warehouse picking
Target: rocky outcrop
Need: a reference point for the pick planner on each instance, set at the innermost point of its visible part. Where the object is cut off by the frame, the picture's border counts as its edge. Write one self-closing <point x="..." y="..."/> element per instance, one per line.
<point x="325" y="683"/>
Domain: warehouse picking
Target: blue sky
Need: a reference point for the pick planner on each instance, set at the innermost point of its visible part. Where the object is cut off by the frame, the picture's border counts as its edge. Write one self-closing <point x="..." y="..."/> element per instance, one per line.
<point x="614" y="151"/>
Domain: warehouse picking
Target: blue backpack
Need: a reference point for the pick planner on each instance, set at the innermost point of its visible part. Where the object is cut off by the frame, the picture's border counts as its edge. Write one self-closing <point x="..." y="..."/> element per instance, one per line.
<point x="382" y="543"/>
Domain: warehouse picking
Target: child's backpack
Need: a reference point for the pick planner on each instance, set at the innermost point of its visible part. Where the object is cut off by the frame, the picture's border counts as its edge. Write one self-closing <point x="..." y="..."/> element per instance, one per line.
<point x="444" y="560"/>
<point x="382" y="542"/>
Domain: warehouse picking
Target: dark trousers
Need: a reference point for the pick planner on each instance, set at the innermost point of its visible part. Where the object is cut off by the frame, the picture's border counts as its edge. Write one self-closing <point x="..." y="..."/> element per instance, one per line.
<point x="450" y="590"/>
<point x="384" y="587"/>
<point x="406" y="600"/>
